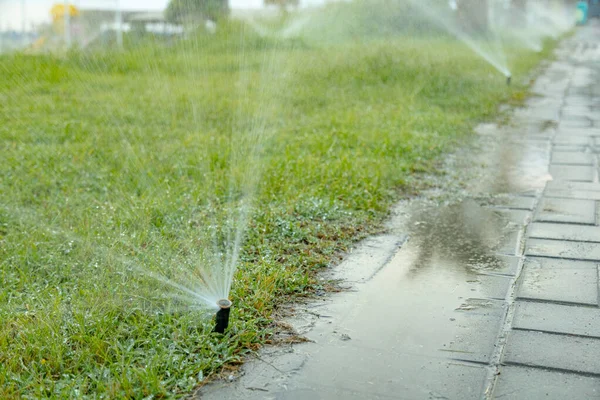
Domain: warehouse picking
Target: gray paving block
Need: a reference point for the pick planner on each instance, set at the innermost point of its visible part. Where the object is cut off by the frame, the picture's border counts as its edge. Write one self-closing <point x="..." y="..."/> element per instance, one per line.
<point x="566" y="210"/>
<point x="572" y="140"/>
<point x="506" y="265"/>
<point x="355" y="381"/>
<point x="573" y="117"/>
<point x="558" y="318"/>
<point x="518" y="217"/>
<point x="572" y="158"/>
<point x="575" y="186"/>
<point x="573" y="194"/>
<point x="582" y="111"/>
<point x="568" y="147"/>
<point x="575" y="100"/>
<point x="561" y="249"/>
<point x="518" y="383"/>
<point x="497" y="264"/>
<point x="513" y="202"/>
<point x="578" y="132"/>
<point x="368" y="257"/>
<point x="360" y="381"/>
<point x="575" y="123"/>
<point x="576" y="110"/>
<point x="580" y="233"/>
<point x="494" y="286"/>
<point x="577" y="173"/>
<point x="510" y="243"/>
<point x="548" y="350"/>
<point x="540" y="101"/>
<point x="476" y="326"/>
<point x="538" y="113"/>
<point x="559" y="280"/>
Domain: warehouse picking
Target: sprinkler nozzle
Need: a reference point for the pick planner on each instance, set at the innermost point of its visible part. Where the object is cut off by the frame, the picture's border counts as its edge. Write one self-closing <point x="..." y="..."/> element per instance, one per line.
<point x="508" y="80"/>
<point x="222" y="318"/>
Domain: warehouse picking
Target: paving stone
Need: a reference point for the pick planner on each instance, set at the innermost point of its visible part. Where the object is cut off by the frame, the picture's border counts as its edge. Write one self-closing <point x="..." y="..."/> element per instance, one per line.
<point x="559" y="280"/>
<point x="518" y="217"/>
<point x="572" y="158"/>
<point x="578" y="132"/>
<point x="538" y="113"/>
<point x="575" y="123"/>
<point x="558" y="318"/>
<point x="539" y="101"/>
<point x="569" y="147"/>
<point x="357" y="381"/>
<point x="560" y="249"/>
<point x="571" y="140"/>
<point x="582" y="186"/>
<point x="566" y="116"/>
<point x="514" y="202"/>
<point x="497" y="264"/>
<point x="580" y="233"/>
<point x="518" y="383"/>
<point x="368" y="258"/>
<point x="577" y="110"/>
<point x="507" y="265"/>
<point x="578" y="173"/>
<point x="573" y="194"/>
<point x="510" y="243"/>
<point x="530" y="193"/>
<point x="494" y="286"/>
<point x="525" y="128"/>
<point x="476" y="330"/>
<point x="573" y="190"/>
<point x="578" y="101"/>
<point x="547" y="350"/>
<point x="566" y="210"/>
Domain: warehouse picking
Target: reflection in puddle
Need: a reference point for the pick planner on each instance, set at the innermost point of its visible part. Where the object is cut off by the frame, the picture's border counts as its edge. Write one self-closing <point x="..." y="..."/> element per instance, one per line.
<point x="513" y="161"/>
<point x="463" y="235"/>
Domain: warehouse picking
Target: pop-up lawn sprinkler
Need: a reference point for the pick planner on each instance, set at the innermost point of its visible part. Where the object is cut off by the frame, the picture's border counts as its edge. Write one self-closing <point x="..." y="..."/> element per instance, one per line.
<point x="508" y="79"/>
<point x="222" y="320"/>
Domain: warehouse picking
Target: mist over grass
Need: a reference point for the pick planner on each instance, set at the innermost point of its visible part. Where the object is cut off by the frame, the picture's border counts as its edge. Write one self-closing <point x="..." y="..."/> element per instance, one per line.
<point x="115" y="163"/>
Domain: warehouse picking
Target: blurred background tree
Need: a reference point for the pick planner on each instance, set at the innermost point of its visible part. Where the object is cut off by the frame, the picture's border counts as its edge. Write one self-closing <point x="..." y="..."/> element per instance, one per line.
<point x="284" y="5"/>
<point x="183" y="11"/>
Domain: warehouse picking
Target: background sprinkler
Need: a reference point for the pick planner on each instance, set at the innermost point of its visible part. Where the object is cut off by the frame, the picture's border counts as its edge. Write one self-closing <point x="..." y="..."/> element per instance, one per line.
<point x="508" y="79"/>
<point x="222" y="320"/>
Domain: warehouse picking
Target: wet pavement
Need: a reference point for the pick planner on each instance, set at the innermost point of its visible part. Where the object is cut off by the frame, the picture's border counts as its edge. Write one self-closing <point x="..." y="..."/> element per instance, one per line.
<point x="490" y="293"/>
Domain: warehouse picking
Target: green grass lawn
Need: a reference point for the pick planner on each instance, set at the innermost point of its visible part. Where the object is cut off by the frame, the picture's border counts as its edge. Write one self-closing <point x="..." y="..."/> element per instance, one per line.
<point x="112" y="161"/>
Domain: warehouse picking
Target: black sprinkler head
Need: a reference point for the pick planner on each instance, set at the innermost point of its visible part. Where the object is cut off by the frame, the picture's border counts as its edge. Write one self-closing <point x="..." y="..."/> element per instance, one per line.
<point x="508" y="80"/>
<point x="222" y="319"/>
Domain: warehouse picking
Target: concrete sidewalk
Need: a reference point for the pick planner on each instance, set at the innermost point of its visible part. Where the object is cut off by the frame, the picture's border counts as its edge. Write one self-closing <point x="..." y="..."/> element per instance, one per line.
<point x="494" y="296"/>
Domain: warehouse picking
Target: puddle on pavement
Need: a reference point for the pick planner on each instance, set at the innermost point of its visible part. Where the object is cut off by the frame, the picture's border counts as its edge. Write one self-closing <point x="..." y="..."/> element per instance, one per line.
<point x="428" y="320"/>
<point x="464" y="235"/>
<point x="509" y="160"/>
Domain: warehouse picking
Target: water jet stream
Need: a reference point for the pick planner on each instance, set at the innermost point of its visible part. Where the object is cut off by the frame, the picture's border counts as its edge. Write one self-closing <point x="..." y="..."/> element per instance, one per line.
<point x="494" y="55"/>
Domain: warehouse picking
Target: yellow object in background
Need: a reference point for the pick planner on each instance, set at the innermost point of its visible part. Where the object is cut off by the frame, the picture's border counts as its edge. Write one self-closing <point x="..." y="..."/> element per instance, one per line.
<point x="58" y="11"/>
